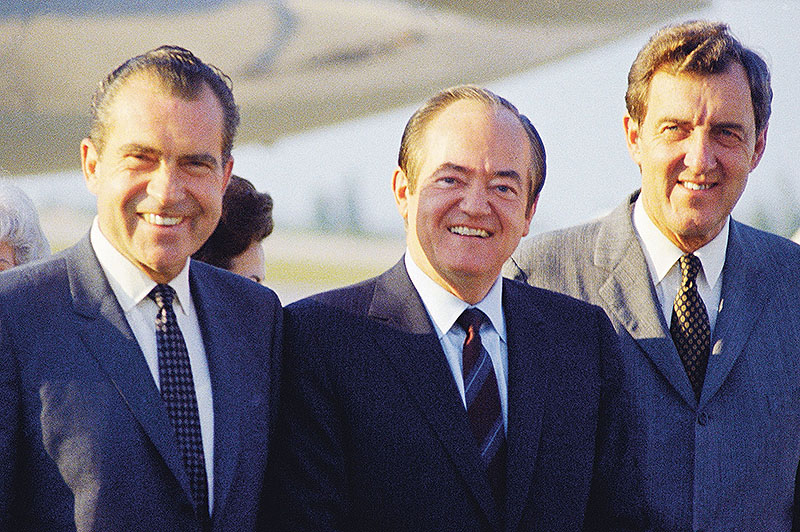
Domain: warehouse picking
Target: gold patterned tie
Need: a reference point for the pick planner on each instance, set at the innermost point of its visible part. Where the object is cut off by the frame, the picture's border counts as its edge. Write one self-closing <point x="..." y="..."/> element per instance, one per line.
<point x="690" y="328"/>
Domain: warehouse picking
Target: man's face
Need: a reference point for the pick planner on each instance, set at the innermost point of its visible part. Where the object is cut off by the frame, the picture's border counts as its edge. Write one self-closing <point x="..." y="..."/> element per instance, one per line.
<point x="160" y="178"/>
<point x="467" y="213"/>
<point x="695" y="148"/>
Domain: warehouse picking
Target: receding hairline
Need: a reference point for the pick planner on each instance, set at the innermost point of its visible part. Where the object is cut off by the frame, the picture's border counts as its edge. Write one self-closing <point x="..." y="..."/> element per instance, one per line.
<point x="678" y="72"/>
<point x="491" y="109"/>
<point x="150" y="82"/>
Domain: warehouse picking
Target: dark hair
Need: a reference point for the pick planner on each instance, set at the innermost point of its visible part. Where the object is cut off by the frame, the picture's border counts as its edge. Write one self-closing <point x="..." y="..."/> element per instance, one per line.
<point x="246" y="219"/>
<point x="412" y="142"/>
<point x="697" y="47"/>
<point x="182" y="73"/>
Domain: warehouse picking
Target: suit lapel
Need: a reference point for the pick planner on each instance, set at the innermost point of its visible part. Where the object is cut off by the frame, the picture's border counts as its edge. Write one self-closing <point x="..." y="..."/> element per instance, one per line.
<point x="406" y="336"/>
<point x="108" y="337"/>
<point x="629" y="296"/>
<point x="222" y="346"/>
<point x="525" y="397"/>
<point x="742" y="301"/>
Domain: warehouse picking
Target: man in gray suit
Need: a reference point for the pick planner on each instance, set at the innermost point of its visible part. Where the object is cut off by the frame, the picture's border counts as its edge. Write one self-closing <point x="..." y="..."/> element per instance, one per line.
<point x="707" y="309"/>
<point x="134" y="394"/>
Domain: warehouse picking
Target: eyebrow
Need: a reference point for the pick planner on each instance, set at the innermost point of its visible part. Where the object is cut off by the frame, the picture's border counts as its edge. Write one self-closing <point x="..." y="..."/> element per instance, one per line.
<point x="134" y="147"/>
<point x="204" y="158"/>
<point x="729" y="125"/>
<point x="717" y="125"/>
<point x="464" y="170"/>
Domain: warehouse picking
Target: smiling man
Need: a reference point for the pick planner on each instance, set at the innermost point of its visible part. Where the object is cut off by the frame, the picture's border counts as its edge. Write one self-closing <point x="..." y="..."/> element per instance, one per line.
<point x="134" y="395"/>
<point x="439" y="396"/>
<point x="707" y="309"/>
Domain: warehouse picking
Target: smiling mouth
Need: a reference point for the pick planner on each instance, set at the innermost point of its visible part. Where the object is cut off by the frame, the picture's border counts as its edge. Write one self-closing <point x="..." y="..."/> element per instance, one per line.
<point x="156" y="219"/>
<point x="696" y="186"/>
<point x="469" y="231"/>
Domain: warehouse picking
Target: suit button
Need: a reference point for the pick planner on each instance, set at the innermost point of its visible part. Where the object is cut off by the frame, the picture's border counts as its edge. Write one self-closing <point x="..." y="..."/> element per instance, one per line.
<point x="702" y="419"/>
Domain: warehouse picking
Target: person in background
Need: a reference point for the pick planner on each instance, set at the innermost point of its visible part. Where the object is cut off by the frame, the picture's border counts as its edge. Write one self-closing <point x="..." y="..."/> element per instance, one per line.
<point x="707" y="309"/>
<point x="21" y="236"/>
<point x="246" y="220"/>
<point x="138" y="386"/>
<point x="439" y="396"/>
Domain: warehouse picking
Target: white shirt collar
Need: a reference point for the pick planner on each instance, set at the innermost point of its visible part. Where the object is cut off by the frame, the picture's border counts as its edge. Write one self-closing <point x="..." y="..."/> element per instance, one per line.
<point x="662" y="254"/>
<point x="444" y="308"/>
<point x="130" y="284"/>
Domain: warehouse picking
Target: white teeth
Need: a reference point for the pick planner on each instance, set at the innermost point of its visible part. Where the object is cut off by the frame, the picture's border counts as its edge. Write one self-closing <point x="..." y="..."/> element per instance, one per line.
<point x="155" y="219"/>
<point x="695" y="186"/>
<point x="469" y="231"/>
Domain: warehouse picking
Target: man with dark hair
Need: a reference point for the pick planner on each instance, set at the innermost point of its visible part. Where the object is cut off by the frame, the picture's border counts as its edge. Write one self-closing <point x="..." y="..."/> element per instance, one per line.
<point x="706" y="309"/>
<point x="423" y="399"/>
<point x="134" y="396"/>
<point x="246" y="220"/>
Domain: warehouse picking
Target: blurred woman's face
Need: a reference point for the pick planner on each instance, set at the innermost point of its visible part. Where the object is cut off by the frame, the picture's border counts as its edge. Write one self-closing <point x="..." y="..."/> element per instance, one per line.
<point x="7" y="258"/>
<point x="250" y="263"/>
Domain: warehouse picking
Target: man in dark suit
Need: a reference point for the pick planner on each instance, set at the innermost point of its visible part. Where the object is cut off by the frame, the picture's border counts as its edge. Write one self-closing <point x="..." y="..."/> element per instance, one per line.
<point x="707" y="309"/>
<point x="134" y="394"/>
<point x="401" y="414"/>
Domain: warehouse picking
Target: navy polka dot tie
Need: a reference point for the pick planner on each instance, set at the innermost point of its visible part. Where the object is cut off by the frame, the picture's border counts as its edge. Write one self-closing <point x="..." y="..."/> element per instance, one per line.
<point x="483" y="402"/>
<point x="177" y="392"/>
<point x="690" y="329"/>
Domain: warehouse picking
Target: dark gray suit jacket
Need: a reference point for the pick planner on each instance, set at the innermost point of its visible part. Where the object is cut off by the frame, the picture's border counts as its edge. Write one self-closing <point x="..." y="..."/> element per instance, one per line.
<point x="85" y="441"/>
<point x="373" y="434"/>
<point x="728" y="462"/>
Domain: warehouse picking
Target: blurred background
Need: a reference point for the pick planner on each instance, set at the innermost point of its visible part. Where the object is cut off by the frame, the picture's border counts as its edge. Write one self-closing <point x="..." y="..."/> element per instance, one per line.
<point x="326" y="86"/>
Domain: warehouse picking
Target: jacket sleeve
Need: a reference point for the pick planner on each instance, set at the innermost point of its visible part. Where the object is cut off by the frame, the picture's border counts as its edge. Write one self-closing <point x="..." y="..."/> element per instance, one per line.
<point x="307" y="474"/>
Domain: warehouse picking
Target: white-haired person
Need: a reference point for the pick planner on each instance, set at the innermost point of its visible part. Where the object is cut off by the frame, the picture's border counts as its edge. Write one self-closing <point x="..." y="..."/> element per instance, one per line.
<point x="21" y="236"/>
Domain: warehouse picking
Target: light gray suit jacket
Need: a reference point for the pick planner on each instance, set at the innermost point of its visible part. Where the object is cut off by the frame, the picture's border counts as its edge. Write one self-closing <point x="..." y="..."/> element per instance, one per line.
<point x="85" y="440"/>
<point x="730" y="461"/>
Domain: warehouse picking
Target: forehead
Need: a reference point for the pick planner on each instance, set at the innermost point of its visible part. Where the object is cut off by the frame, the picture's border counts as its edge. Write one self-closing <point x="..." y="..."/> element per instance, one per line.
<point x="693" y="96"/>
<point x="476" y="132"/>
<point x="144" y="106"/>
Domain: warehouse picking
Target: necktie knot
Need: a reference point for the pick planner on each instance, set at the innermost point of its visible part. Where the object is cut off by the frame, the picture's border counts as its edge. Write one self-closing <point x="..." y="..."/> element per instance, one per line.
<point x="690" y="267"/>
<point x="471" y="320"/>
<point x="162" y="294"/>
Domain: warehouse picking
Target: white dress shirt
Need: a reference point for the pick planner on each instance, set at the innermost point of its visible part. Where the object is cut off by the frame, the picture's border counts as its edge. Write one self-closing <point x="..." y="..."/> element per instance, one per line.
<point x="662" y="260"/>
<point x="444" y="309"/>
<point x="131" y="287"/>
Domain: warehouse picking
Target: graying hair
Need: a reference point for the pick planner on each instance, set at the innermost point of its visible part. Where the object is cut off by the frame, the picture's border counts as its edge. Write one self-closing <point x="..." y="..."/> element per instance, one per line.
<point x="19" y="225"/>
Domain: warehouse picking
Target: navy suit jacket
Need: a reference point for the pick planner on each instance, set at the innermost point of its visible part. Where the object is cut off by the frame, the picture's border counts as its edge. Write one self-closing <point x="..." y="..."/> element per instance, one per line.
<point x="729" y="461"/>
<point x="85" y="440"/>
<point x="373" y="434"/>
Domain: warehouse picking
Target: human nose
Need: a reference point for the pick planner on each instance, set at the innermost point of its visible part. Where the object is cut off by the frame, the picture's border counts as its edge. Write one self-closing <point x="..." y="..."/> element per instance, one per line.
<point x="165" y="184"/>
<point x="475" y="201"/>
<point x="700" y="155"/>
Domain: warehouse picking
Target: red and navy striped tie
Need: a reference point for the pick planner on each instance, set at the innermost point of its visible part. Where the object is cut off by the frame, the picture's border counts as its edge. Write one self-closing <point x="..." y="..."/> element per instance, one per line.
<point x="483" y="402"/>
